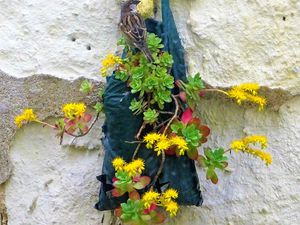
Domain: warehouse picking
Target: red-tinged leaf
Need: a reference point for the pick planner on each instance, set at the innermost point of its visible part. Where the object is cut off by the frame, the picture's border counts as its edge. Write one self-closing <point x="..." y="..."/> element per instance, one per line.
<point x="187" y="116"/>
<point x="85" y="129"/>
<point x="195" y="121"/>
<point x="158" y="218"/>
<point x="172" y="149"/>
<point x="150" y="209"/>
<point x="202" y="94"/>
<point x="118" y="212"/>
<point x="117" y="192"/>
<point x="70" y="123"/>
<point x="205" y="130"/>
<point x="114" y="179"/>
<point x="87" y="117"/>
<point x="203" y="140"/>
<point x="145" y="180"/>
<point x="214" y="179"/>
<point x="193" y="154"/>
<point x="178" y="84"/>
<point x="134" y="195"/>
<point x="182" y="96"/>
<point x="71" y="130"/>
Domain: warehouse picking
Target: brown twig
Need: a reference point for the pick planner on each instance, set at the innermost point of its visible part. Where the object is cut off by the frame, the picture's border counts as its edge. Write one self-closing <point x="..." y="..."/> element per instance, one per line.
<point x="136" y="150"/>
<point x="174" y="116"/>
<point x="161" y="166"/>
<point x="140" y="131"/>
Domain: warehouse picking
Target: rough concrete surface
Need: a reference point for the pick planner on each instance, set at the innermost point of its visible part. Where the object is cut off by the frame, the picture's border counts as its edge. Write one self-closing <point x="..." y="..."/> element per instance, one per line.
<point x="228" y="41"/>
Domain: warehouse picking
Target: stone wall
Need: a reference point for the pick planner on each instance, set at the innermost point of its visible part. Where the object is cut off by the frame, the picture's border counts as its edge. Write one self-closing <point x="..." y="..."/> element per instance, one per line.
<point x="228" y="41"/>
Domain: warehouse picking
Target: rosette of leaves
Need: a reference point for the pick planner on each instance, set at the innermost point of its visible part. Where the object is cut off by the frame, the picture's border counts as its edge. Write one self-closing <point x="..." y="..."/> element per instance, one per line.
<point x="191" y="129"/>
<point x="212" y="160"/>
<point x="124" y="183"/>
<point x="151" y="82"/>
<point x="133" y="212"/>
<point x="190" y="91"/>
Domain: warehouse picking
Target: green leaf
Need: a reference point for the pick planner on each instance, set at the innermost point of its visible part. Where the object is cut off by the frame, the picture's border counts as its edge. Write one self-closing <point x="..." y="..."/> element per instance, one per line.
<point x="176" y="127"/>
<point x="166" y="59"/>
<point x="136" y="86"/>
<point x="98" y="107"/>
<point x="86" y="87"/>
<point x="151" y="116"/>
<point x="136" y="106"/>
<point x="121" y="75"/>
<point x="192" y="135"/>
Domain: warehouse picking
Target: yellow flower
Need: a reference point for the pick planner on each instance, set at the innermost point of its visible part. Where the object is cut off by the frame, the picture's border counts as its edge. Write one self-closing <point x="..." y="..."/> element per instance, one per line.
<point x="162" y="145"/>
<point x="139" y="165"/>
<point x="247" y="92"/>
<point x="145" y="8"/>
<point x="73" y="110"/>
<point x="151" y="138"/>
<point x="109" y="62"/>
<point x="237" y="145"/>
<point x="150" y="197"/>
<point x="118" y="164"/>
<point x="243" y="145"/>
<point x="256" y="139"/>
<point x="180" y="143"/>
<point x="170" y="194"/>
<point x="135" y="167"/>
<point x="27" y="116"/>
<point x="250" y="87"/>
<point x="172" y="207"/>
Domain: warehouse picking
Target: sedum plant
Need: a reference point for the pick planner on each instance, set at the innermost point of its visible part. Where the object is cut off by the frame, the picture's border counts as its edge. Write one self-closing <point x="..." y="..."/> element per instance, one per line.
<point x="169" y="133"/>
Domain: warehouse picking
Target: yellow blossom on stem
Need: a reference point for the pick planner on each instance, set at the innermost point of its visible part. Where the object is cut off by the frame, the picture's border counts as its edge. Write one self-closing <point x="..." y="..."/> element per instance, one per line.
<point x="118" y="164"/>
<point x="150" y="197"/>
<point x="180" y="143"/>
<point x="151" y="138"/>
<point x="109" y="62"/>
<point x="243" y="145"/>
<point x="169" y="194"/>
<point x="135" y="167"/>
<point x="172" y="207"/>
<point x="162" y="145"/>
<point x="27" y="116"/>
<point x="247" y="92"/>
<point x="73" y="110"/>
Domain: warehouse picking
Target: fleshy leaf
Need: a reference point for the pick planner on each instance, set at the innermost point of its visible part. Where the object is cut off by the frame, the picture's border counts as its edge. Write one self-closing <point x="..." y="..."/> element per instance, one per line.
<point x="117" y="192"/>
<point x="87" y="117"/>
<point x="187" y="116"/>
<point x="118" y="212"/>
<point x="134" y="195"/>
<point x="193" y="154"/>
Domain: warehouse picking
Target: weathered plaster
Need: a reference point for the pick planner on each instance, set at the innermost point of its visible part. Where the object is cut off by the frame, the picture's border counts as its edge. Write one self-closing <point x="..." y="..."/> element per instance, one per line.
<point x="44" y="93"/>
<point x="229" y="42"/>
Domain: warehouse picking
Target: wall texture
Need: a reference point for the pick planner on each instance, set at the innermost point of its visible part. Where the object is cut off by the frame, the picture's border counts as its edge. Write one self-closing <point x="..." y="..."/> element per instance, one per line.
<point x="228" y="41"/>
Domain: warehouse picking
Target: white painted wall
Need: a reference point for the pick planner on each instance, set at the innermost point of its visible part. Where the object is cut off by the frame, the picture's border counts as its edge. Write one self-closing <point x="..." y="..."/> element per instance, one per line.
<point x="228" y="41"/>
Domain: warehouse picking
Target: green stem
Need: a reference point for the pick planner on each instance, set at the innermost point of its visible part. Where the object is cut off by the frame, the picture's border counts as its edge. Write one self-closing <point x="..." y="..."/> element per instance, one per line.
<point x="215" y="90"/>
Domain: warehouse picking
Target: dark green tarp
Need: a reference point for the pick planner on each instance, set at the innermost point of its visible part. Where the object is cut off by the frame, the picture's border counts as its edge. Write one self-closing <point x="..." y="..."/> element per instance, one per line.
<point x="121" y="126"/>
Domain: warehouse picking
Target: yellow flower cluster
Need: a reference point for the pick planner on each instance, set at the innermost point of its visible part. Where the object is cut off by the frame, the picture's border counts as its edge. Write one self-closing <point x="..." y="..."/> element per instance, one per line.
<point x="109" y="62"/>
<point x="165" y="199"/>
<point x="27" y="116"/>
<point x="73" y="110"/>
<point x="247" y="92"/>
<point x="146" y="8"/>
<point x="160" y="143"/>
<point x="244" y="146"/>
<point x="133" y="168"/>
